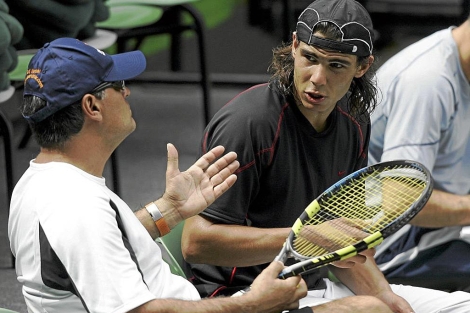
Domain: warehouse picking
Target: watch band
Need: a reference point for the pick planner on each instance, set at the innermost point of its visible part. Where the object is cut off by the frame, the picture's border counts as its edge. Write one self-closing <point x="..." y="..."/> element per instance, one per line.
<point x="162" y="226"/>
<point x="158" y="218"/>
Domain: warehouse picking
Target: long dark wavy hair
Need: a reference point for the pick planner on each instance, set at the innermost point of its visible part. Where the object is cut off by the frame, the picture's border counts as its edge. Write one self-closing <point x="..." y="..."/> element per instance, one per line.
<point x="362" y="95"/>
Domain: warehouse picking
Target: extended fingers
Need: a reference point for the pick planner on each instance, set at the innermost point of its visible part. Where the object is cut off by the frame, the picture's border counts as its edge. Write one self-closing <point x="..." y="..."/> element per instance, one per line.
<point x="225" y="179"/>
<point x="226" y="161"/>
<point x="218" y="172"/>
<point x="204" y="161"/>
<point x="225" y="185"/>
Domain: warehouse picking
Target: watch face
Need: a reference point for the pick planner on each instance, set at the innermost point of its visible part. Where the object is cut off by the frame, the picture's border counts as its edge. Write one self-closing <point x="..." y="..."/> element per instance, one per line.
<point x="154" y="211"/>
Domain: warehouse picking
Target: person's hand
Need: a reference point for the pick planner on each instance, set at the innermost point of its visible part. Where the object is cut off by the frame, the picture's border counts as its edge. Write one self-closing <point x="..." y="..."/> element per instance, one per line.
<point x="333" y="234"/>
<point x="271" y="294"/>
<point x="336" y="234"/>
<point x="190" y="192"/>
<point x="360" y="258"/>
<point x="396" y="303"/>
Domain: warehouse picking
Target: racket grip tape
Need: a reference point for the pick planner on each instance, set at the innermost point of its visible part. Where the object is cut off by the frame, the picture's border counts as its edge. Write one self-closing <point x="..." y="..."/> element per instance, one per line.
<point x="341" y="254"/>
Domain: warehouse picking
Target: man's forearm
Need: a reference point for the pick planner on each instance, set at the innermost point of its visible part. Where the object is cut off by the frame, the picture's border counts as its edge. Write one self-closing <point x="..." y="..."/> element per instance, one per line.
<point x="363" y="279"/>
<point x="230" y="245"/>
<point x="147" y="221"/>
<point x="444" y="209"/>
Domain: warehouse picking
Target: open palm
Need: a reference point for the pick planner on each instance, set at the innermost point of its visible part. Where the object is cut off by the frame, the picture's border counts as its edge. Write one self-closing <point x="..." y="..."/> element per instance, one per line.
<point x="200" y="185"/>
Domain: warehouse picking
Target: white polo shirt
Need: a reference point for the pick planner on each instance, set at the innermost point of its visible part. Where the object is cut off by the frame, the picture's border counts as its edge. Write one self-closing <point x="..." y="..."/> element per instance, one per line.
<point x="80" y="248"/>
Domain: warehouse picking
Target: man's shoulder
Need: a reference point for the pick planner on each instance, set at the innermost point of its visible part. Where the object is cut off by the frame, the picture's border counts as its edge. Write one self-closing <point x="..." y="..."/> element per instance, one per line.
<point x="430" y="55"/>
<point x="258" y="105"/>
<point x="257" y="96"/>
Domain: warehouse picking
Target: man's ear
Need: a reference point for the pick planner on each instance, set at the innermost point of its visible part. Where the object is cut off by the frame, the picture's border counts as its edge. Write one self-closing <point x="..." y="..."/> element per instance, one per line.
<point x="364" y="67"/>
<point x="92" y="107"/>
<point x="295" y="43"/>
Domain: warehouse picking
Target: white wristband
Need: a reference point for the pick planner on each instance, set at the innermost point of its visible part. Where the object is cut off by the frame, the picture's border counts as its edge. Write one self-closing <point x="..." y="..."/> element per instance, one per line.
<point x="154" y="211"/>
<point x="158" y="218"/>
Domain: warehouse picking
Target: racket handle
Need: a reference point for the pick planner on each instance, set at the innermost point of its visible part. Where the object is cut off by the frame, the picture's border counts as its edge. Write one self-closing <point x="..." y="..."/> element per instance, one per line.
<point x="282" y="256"/>
<point x="241" y="292"/>
<point x="282" y="275"/>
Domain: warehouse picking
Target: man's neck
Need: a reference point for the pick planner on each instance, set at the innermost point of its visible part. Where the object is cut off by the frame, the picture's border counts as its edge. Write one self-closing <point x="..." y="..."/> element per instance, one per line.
<point x="88" y="160"/>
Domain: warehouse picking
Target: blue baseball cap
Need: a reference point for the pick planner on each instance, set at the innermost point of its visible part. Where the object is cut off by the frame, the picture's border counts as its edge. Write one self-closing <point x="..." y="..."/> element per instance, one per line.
<point x="64" y="70"/>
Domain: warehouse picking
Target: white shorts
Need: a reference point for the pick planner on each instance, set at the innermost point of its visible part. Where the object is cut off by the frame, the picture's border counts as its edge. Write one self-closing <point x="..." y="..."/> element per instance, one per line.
<point x="422" y="300"/>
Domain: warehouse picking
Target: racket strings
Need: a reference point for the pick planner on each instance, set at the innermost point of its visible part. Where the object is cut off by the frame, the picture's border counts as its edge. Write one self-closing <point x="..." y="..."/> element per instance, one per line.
<point x="364" y="205"/>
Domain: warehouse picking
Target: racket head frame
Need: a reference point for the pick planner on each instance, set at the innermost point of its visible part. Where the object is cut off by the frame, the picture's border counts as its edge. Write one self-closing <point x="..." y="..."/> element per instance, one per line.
<point x="309" y="263"/>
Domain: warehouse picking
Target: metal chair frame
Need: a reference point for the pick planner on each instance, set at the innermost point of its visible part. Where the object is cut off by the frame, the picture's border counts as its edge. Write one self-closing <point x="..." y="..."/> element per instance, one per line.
<point x="171" y="22"/>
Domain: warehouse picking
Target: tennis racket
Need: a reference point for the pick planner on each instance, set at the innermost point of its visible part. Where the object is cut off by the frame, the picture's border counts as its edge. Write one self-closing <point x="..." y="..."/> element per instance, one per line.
<point x="355" y="214"/>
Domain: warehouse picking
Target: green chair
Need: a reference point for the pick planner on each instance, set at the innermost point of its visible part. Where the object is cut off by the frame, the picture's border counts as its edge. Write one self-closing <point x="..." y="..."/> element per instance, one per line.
<point x="124" y="16"/>
<point x="101" y="40"/>
<point x="170" y="245"/>
<point x="134" y="24"/>
<point x="161" y="3"/>
<point x="17" y="75"/>
<point x="2" y="310"/>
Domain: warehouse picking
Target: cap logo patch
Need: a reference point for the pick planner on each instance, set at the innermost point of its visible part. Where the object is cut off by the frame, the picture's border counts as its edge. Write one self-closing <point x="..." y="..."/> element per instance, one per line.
<point x="32" y="74"/>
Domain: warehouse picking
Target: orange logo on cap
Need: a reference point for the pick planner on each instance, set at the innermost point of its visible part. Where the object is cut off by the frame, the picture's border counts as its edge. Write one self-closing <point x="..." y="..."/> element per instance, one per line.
<point x="32" y="74"/>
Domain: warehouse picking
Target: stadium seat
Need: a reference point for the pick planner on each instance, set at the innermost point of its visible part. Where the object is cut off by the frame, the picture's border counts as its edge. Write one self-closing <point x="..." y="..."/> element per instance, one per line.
<point x="136" y="20"/>
<point x="171" y="251"/>
<point x="2" y="310"/>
